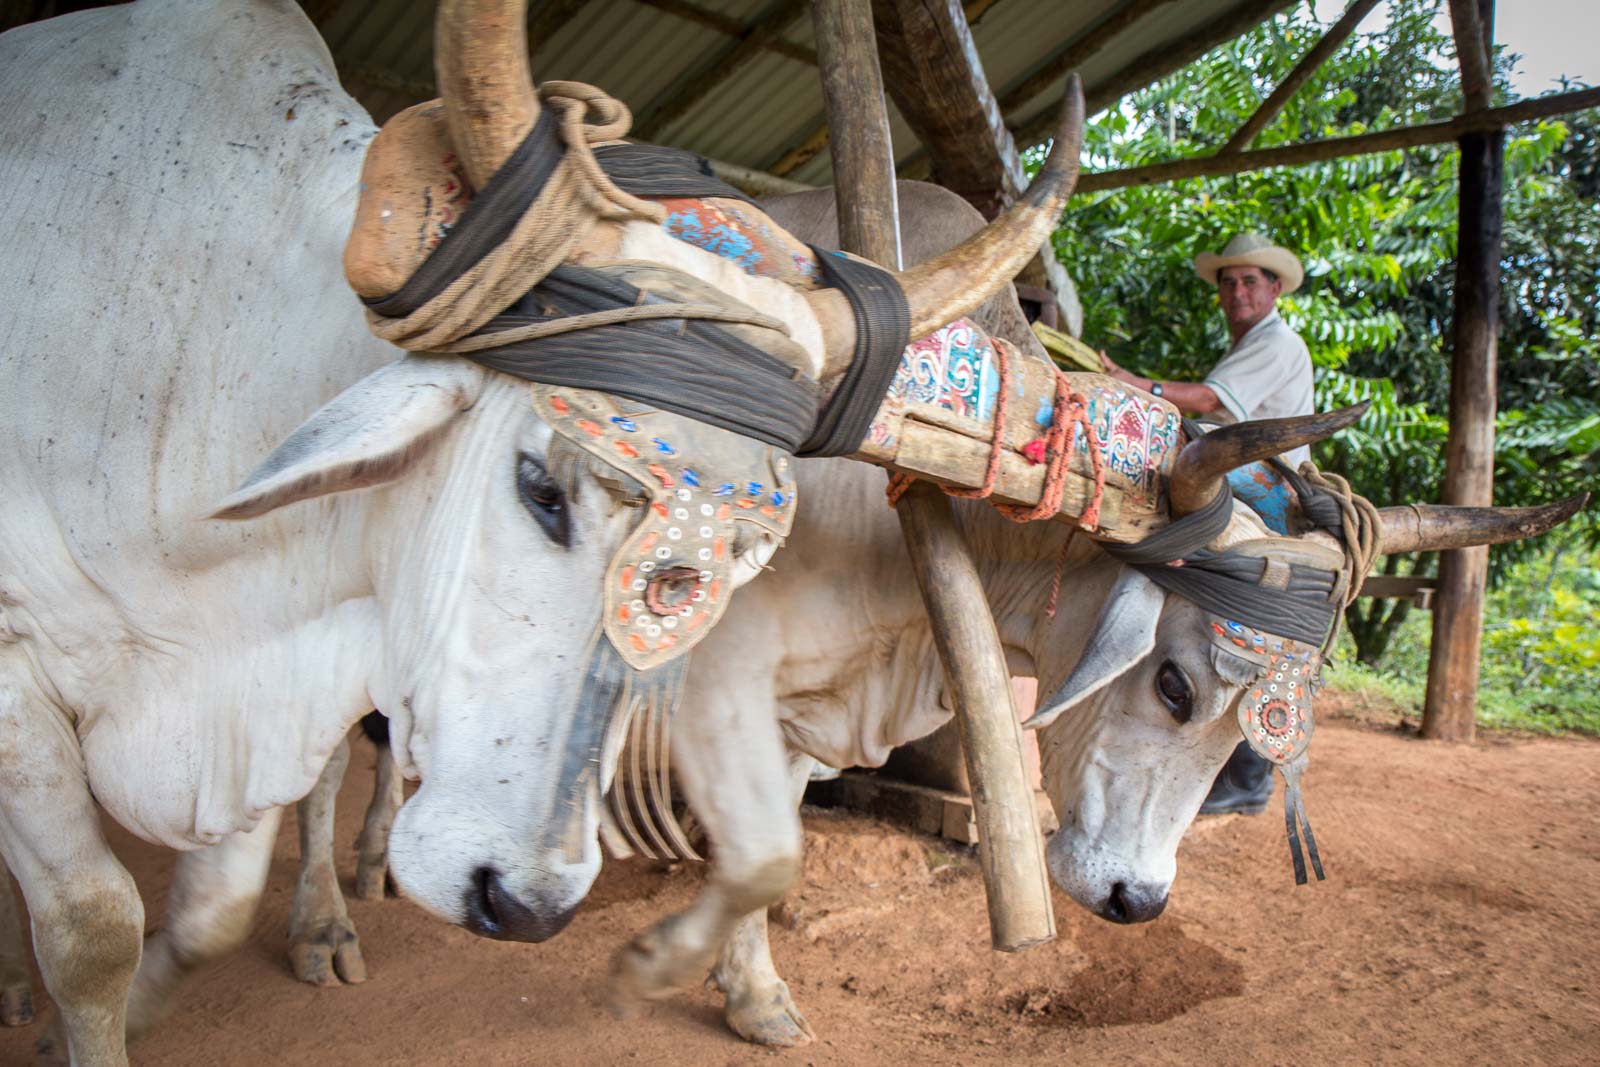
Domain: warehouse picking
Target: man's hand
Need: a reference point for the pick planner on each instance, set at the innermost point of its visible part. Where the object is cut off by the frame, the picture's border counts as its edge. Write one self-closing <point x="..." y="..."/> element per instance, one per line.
<point x="1187" y="396"/>
<point x="1121" y="375"/>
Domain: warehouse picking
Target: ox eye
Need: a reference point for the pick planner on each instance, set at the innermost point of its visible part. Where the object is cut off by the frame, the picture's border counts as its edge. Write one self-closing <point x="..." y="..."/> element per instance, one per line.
<point x="1175" y="692"/>
<point x="544" y="499"/>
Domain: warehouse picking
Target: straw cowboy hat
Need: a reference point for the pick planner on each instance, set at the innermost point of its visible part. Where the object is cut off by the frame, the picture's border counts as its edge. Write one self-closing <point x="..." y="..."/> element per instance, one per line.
<point x="1252" y="250"/>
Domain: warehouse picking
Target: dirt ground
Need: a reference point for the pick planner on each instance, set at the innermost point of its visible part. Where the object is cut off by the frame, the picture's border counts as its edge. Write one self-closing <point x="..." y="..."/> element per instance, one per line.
<point x="1458" y="925"/>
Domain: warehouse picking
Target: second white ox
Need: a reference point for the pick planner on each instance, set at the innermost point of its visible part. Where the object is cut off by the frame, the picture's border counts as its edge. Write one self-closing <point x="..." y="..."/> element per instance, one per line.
<point x="831" y="657"/>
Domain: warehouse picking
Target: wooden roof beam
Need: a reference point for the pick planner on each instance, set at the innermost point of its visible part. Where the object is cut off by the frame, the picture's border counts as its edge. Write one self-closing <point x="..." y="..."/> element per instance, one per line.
<point x="546" y="20"/>
<point x="1472" y="52"/>
<point x="814" y="143"/>
<point x="1290" y="155"/>
<point x="767" y="26"/>
<point x="732" y="27"/>
<point x="1156" y="64"/>
<point x="932" y="71"/>
<point x="1072" y="55"/>
<point x="1309" y="64"/>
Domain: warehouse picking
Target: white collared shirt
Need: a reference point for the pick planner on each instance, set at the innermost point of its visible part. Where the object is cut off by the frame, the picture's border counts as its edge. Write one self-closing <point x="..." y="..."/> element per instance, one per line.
<point x="1265" y="375"/>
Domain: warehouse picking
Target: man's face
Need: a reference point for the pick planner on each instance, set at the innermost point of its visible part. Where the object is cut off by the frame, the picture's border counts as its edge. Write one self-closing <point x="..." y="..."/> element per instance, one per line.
<point x="1246" y="294"/>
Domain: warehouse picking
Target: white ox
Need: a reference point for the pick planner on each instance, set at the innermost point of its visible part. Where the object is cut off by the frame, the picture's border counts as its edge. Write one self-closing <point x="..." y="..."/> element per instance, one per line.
<point x="179" y="180"/>
<point x="831" y="657"/>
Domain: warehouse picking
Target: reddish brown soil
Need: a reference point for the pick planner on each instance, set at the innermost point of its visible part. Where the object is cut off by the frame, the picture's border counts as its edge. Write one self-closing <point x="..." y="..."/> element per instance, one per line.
<point x="1457" y="926"/>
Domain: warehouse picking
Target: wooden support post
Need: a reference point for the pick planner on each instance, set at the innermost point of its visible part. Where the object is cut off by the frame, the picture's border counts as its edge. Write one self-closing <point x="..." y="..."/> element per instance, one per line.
<point x="1010" y="848"/>
<point x="1450" y="709"/>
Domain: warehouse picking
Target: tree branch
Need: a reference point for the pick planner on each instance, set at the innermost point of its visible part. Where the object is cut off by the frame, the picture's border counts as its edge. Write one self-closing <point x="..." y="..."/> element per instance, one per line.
<point x="1309" y="64"/>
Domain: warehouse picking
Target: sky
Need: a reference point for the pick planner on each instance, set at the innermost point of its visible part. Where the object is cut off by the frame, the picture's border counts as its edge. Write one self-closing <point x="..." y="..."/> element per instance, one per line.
<point x="1554" y="37"/>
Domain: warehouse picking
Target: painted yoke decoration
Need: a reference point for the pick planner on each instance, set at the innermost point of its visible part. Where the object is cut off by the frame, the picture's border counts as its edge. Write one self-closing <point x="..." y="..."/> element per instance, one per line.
<point x="937" y="420"/>
<point x="669" y="583"/>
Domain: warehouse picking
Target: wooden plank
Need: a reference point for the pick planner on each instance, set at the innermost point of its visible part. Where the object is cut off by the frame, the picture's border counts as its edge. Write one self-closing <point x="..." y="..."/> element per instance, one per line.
<point x="1420" y="591"/>
<point x="1293" y="155"/>
<point x="768" y="26"/>
<point x="1309" y="64"/>
<point x="921" y="808"/>
<point x="1010" y="849"/>
<point x="1450" y="708"/>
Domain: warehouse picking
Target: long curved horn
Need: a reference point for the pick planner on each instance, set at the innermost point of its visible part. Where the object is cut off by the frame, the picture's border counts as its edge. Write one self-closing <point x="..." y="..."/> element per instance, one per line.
<point x="1433" y="527"/>
<point x="480" y="59"/>
<point x="959" y="281"/>
<point x="1204" y="463"/>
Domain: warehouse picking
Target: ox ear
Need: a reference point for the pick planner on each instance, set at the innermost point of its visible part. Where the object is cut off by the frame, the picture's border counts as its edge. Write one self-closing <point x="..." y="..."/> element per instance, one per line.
<point x="1124" y="633"/>
<point x="367" y="435"/>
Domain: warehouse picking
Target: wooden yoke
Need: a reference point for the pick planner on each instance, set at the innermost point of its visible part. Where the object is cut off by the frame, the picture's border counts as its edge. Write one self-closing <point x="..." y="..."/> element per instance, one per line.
<point x="1010" y="848"/>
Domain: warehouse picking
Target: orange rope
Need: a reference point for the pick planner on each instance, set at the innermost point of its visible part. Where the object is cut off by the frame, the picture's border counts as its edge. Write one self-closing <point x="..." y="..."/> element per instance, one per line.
<point x="1070" y="411"/>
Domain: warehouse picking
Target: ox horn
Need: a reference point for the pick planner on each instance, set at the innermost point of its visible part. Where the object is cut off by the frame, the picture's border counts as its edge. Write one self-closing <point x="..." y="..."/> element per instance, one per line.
<point x="959" y="281"/>
<point x="1203" y="465"/>
<point x="1434" y="527"/>
<point x="481" y="63"/>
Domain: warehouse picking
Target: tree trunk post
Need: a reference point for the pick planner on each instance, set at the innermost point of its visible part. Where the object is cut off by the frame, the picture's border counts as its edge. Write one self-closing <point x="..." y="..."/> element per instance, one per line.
<point x="1450" y="710"/>
<point x="1010" y="848"/>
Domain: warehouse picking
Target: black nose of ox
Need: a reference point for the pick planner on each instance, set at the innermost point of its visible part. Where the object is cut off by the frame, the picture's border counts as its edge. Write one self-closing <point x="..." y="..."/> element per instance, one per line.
<point x="1133" y="903"/>
<point x="492" y="911"/>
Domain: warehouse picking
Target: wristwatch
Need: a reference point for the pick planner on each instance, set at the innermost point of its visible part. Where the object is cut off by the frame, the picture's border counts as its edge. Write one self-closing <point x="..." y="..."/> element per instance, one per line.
<point x="1155" y="387"/>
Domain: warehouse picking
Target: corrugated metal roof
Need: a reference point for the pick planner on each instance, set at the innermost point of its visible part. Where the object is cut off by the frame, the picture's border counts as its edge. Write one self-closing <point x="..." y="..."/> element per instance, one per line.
<point x="644" y="52"/>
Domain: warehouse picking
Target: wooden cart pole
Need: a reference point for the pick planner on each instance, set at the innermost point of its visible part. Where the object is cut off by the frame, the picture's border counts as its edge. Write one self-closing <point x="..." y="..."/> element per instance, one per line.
<point x="1010" y="848"/>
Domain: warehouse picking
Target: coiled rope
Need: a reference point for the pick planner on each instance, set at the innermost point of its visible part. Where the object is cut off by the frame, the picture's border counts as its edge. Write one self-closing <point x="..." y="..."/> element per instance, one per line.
<point x="576" y="195"/>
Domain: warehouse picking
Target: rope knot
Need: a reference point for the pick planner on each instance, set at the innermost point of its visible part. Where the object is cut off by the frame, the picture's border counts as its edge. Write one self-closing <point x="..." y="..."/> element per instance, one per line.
<point x="576" y="195"/>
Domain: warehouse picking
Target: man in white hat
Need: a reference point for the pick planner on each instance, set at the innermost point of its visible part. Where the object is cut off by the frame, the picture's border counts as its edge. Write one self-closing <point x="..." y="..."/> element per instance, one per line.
<point x="1267" y="372"/>
<point x="1265" y="375"/>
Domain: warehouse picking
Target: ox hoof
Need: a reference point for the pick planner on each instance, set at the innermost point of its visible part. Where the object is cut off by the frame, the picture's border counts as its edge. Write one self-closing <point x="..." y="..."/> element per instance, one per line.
<point x="16" y="1005"/>
<point x="767" y="1016"/>
<point x="372" y="878"/>
<point x="653" y="966"/>
<point x="328" y="954"/>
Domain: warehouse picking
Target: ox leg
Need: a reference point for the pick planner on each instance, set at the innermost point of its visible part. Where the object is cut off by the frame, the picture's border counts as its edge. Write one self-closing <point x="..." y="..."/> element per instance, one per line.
<point x="759" y="1007"/>
<point x="87" y="916"/>
<point x="211" y="908"/>
<point x="730" y="760"/>
<point x="372" y="847"/>
<point x="16" y="989"/>
<point x="323" y="947"/>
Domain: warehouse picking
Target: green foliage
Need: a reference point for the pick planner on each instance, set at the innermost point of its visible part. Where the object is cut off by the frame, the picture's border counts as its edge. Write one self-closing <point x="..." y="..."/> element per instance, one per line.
<point x="1541" y="649"/>
<point x="1377" y="234"/>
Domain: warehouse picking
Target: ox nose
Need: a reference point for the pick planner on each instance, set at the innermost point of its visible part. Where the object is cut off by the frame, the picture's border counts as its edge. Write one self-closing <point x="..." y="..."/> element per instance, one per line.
<point x="1133" y="903"/>
<point x="492" y="911"/>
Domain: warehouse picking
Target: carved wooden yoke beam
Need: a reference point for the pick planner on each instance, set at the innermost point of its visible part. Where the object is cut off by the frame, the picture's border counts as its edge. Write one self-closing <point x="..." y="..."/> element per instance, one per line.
<point x="937" y="423"/>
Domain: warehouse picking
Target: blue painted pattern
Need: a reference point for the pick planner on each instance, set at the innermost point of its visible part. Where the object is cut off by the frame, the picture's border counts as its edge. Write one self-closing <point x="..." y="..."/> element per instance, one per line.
<point x="1267" y="494"/>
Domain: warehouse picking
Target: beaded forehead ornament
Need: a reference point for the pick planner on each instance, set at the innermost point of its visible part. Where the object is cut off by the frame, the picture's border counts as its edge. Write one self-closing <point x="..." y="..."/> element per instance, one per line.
<point x="1275" y="716"/>
<point x="670" y="580"/>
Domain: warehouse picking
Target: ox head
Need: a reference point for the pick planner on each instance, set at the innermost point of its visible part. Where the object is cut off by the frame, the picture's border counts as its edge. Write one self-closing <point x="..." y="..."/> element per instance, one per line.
<point x="1131" y="741"/>
<point x="488" y="538"/>
<point x="491" y="532"/>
